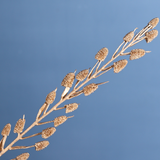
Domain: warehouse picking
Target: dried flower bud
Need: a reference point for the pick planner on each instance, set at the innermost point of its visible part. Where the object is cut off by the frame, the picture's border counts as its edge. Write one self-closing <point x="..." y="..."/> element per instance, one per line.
<point x="102" y="54"/>
<point x="118" y="66"/>
<point x="82" y="75"/>
<point x="51" y="97"/>
<point x="136" y="53"/>
<point x="68" y="80"/>
<point x="23" y="156"/>
<point x="128" y="37"/>
<point x="59" y="120"/>
<point x="154" y="22"/>
<point x="71" y="107"/>
<point x="151" y="35"/>
<point x="41" y="145"/>
<point x="87" y="90"/>
<point x="6" y="130"/>
<point x="19" y="126"/>
<point x="48" y="132"/>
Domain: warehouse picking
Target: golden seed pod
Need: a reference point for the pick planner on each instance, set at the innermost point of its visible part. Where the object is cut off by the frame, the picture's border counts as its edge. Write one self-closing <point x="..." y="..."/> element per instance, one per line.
<point x="136" y="54"/>
<point x="59" y="120"/>
<point x="23" y="156"/>
<point x="119" y="65"/>
<point x="87" y="90"/>
<point x="128" y="37"/>
<point x="68" y="80"/>
<point x="151" y="35"/>
<point x="51" y="97"/>
<point x="48" y="132"/>
<point x="154" y="22"/>
<point x="6" y="130"/>
<point x="82" y="75"/>
<point x="102" y="54"/>
<point x="71" y="107"/>
<point x="41" y="145"/>
<point x="19" y="126"/>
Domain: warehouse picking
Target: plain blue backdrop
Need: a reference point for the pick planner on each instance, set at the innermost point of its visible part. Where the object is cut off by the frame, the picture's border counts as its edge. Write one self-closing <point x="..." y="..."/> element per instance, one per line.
<point x="42" y="41"/>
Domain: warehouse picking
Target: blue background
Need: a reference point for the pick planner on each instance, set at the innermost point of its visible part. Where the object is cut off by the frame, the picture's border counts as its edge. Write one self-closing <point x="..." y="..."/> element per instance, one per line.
<point x="42" y="41"/>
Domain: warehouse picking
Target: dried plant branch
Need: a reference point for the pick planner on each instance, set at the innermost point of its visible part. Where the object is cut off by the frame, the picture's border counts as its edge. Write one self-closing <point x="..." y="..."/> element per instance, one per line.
<point x="79" y="88"/>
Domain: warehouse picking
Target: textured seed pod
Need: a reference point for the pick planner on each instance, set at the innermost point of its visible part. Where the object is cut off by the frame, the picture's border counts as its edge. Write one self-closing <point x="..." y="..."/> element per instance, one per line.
<point x="151" y="35"/>
<point x="48" y="132"/>
<point x="19" y="126"/>
<point x="136" y="54"/>
<point x="154" y="22"/>
<point x="118" y="66"/>
<point x="87" y="90"/>
<point x="23" y="156"/>
<point x="102" y="54"/>
<point x="6" y="130"/>
<point x="51" y="97"/>
<point x="128" y="37"/>
<point x="68" y="80"/>
<point x="82" y="75"/>
<point x="71" y="107"/>
<point x="41" y="145"/>
<point x="59" y="120"/>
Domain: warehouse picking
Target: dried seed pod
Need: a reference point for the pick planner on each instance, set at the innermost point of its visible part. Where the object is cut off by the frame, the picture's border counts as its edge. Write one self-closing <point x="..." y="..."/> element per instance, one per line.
<point x="71" y="107"/>
<point x="19" y="126"/>
<point x="128" y="37"/>
<point x="119" y="65"/>
<point x="23" y="156"/>
<point x="59" y="120"/>
<point x="48" y="132"/>
<point x="51" y="97"/>
<point x="41" y="145"/>
<point x="154" y="22"/>
<point x="68" y="80"/>
<point x="6" y="130"/>
<point x="102" y="54"/>
<point x="87" y="90"/>
<point x="136" y="53"/>
<point x="151" y="35"/>
<point x="82" y="75"/>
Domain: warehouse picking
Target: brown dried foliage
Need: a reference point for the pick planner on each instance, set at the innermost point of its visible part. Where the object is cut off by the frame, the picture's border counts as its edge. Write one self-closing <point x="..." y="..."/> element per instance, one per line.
<point x="48" y="132"/>
<point x="136" y="54"/>
<point x="19" y="126"/>
<point x="118" y="66"/>
<point x="128" y="41"/>
<point x="68" y="80"/>
<point x="6" y="130"/>
<point x="41" y="145"/>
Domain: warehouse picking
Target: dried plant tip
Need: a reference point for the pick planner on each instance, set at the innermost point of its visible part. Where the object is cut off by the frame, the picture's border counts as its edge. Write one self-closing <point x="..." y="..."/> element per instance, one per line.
<point x="154" y="22"/>
<point x="68" y="80"/>
<point x="48" y="132"/>
<point x="41" y="145"/>
<point x="71" y="107"/>
<point x="118" y="66"/>
<point x="149" y="36"/>
<point x="19" y="126"/>
<point x="23" y="156"/>
<point x="128" y="37"/>
<point x="102" y="54"/>
<point x="6" y="130"/>
<point x="59" y="120"/>
<point x="136" y="54"/>
<point x="82" y="75"/>
<point x="87" y="90"/>
<point x="51" y="97"/>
